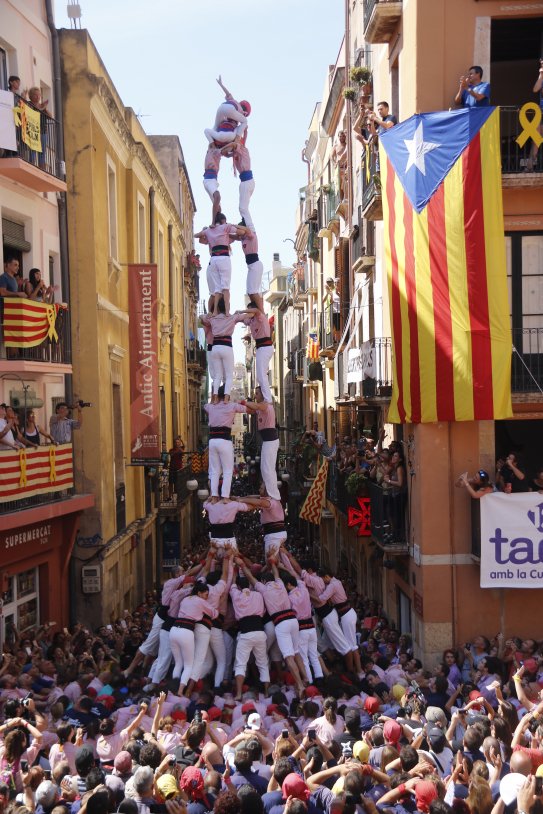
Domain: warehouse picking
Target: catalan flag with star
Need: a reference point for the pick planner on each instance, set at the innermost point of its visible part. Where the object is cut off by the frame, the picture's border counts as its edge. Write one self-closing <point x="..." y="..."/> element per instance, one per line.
<point x="446" y="267"/>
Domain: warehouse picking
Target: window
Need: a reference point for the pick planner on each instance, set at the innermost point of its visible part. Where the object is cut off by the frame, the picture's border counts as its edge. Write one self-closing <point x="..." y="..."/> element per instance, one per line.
<point x="112" y="209"/>
<point x="21" y="609"/>
<point x="160" y="264"/>
<point x="524" y="253"/>
<point x="118" y="452"/>
<point x="141" y="230"/>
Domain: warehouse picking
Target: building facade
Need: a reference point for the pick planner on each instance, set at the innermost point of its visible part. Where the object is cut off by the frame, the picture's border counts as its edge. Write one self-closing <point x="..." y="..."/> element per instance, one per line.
<point x="429" y="580"/>
<point x="129" y="201"/>
<point x="39" y="507"/>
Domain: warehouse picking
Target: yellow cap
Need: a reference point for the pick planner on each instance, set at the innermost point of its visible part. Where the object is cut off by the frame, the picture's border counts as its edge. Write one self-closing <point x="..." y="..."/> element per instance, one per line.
<point x="167" y="785"/>
<point x="361" y="751"/>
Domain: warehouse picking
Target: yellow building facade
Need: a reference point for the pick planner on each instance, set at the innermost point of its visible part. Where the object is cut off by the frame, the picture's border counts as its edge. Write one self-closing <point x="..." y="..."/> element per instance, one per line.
<point x="129" y="201"/>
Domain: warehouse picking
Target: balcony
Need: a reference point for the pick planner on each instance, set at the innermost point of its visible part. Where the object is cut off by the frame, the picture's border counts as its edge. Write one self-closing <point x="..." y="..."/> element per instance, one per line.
<point x="298" y="289"/>
<point x="31" y="477"/>
<point x="336" y="492"/>
<point x="196" y="358"/>
<point x="381" y="18"/>
<point x="330" y="329"/>
<point x="518" y="168"/>
<point x="331" y="204"/>
<point x="389" y="518"/>
<point x="372" y="205"/>
<point x="195" y="469"/>
<point x="376" y="368"/>
<point x="527" y="361"/>
<point x="34" y="332"/>
<point x="38" y="169"/>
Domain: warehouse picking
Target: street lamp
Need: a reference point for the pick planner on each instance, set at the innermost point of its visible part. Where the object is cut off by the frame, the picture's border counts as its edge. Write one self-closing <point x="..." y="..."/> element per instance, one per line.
<point x="203" y="494"/>
<point x="192" y="485"/>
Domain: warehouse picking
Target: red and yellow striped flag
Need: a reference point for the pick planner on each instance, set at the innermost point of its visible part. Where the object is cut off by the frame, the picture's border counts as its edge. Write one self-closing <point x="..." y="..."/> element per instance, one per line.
<point x="28" y="323"/>
<point x="446" y="267"/>
<point x="311" y="510"/>
<point x="313" y="346"/>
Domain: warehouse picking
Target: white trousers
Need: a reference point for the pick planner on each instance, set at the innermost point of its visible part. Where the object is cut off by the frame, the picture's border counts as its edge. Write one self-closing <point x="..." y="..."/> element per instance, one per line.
<point x="310" y="653"/>
<point x="268" y="464"/>
<point x="211" y="185"/>
<point x="272" y="543"/>
<point x="212" y="369"/>
<point x="226" y="111"/>
<point x="218" y="649"/>
<point x="161" y="665"/>
<point x="263" y="359"/>
<point x="221" y="272"/>
<point x="271" y="642"/>
<point x="246" y="189"/>
<point x="223" y="361"/>
<point x="254" y="642"/>
<point x="347" y="623"/>
<point x="151" y="644"/>
<point x="221" y="459"/>
<point x="182" y="645"/>
<point x="288" y="633"/>
<point x="202" y="635"/>
<point x="221" y="543"/>
<point x="211" y="278"/>
<point x="254" y="277"/>
<point x="334" y="633"/>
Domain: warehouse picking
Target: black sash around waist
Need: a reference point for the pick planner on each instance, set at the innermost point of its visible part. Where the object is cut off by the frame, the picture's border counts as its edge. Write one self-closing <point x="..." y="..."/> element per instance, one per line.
<point x="264" y="342"/>
<point x="251" y="624"/>
<point x="282" y="616"/>
<point x="218" y="622"/>
<point x="205" y="621"/>
<point x="167" y="624"/>
<point x="188" y="624"/>
<point x="323" y="611"/>
<point x="251" y="258"/>
<point x="342" y="608"/>
<point x="225" y="433"/>
<point x="274" y="528"/>
<point x="226" y="341"/>
<point x="162" y="612"/>
<point x="306" y="624"/>
<point x="209" y="347"/>
<point x="221" y="530"/>
<point x="220" y="251"/>
<point x="269" y="434"/>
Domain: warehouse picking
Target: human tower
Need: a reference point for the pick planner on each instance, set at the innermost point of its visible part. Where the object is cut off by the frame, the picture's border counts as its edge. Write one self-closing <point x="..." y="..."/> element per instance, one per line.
<point x="279" y="616"/>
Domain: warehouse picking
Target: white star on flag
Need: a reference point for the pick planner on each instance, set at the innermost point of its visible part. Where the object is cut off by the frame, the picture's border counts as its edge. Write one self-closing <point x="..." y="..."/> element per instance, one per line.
<point x="417" y="149"/>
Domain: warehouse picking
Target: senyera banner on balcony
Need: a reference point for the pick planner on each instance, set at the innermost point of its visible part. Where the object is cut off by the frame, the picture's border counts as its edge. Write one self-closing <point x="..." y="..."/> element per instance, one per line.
<point x="512" y="540"/>
<point x="144" y="383"/>
<point x="28" y="472"/>
<point x="28" y="323"/>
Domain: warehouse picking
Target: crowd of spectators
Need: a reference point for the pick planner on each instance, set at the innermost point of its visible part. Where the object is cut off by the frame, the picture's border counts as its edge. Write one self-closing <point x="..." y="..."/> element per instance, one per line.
<point x="510" y="478"/>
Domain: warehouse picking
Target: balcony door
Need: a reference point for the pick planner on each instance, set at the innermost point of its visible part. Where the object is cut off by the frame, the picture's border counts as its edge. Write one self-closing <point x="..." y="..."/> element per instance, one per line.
<point x="525" y="282"/>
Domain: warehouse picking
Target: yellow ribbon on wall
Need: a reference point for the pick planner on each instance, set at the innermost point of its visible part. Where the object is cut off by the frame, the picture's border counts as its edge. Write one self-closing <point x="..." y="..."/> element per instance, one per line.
<point x="52" y="464"/>
<point x="51" y="314"/>
<point x="529" y="126"/>
<point x="22" y="466"/>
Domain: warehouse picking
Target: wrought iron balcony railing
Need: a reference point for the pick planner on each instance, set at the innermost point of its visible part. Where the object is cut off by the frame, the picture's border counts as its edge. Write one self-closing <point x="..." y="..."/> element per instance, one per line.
<point x="46" y="160"/>
<point x="34" y="331"/>
<point x="31" y="477"/>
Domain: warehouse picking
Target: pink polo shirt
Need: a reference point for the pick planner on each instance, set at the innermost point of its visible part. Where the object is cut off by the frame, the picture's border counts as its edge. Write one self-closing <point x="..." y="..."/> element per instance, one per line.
<point x="194" y="607"/>
<point x="220" y="235"/>
<point x="300" y="601"/>
<point x="334" y="592"/>
<point x="314" y="583"/>
<point x="176" y="599"/>
<point x="223" y="415"/>
<point x="275" y="595"/>
<point x="219" y="513"/>
<point x="216" y="592"/>
<point x="222" y="325"/>
<point x="169" y="587"/>
<point x="259" y="326"/>
<point x="246" y="602"/>
<point x="274" y="513"/>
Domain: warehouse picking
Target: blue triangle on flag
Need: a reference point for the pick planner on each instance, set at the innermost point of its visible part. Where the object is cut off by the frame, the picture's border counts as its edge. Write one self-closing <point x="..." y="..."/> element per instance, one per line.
<point x="423" y="149"/>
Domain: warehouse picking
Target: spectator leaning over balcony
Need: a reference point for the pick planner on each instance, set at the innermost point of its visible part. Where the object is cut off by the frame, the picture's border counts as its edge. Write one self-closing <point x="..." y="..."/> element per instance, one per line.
<point x="177" y="460"/>
<point x="383" y="120"/>
<point x="20" y="439"/>
<point x="478" y="486"/>
<point x="32" y="431"/>
<point x="7" y="439"/>
<point x="61" y="426"/>
<point x="34" y="97"/>
<point x="538" y="88"/>
<point x="509" y="476"/>
<point x="472" y="91"/>
<point x="35" y="287"/>
<point x="9" y="286"/>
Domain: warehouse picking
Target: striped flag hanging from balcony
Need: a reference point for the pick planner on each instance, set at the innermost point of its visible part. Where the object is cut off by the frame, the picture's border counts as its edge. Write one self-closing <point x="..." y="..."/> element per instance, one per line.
<point x="313" y="346"/>
<point x="311" y="510"/>
<point x="445" y="258"/>
<point x="28" y="323"/>
<point x="28" y="472"/>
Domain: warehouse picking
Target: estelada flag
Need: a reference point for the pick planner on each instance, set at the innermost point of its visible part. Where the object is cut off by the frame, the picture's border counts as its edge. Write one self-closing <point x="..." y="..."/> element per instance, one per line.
<point x="446" y="267"/>
<point x="311" y="510"/>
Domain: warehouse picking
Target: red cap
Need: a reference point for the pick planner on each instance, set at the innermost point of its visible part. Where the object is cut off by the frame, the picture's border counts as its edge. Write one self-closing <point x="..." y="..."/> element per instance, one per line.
<point x="246" y="107"/>
<point x="392" y="732"/>
<point x="311" y="692"/>
<point x="107" y="700"/>
<point x="371" y="705"/>
<point x="214" y="713"/>
<point x="473" y="696"/>
<point x="248" y="707"/>
<point x="92" y="692"/>
<point x="425" y="792"/>
<point x="192" y="782"/>
<point x="179" y="715"/>
<point x="294" y="786"/>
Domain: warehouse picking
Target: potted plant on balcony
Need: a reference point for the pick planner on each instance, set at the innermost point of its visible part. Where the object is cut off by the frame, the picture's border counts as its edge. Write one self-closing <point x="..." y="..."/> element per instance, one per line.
<point x="350" y="94"/>
<point x="357" y="484"/>
<point x="362" y="76"/>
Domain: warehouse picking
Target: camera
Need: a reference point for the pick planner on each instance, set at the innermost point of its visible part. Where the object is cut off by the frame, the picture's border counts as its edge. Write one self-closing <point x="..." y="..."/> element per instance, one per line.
<point x="311" y="734"/>
<point x="284" y="733"/>
<point x="80" y="404"/>
<point x="346" y="750"/>
<point x="198" y="717"/>
<point x="534" y="724"/>
<point x="375" y="718"/>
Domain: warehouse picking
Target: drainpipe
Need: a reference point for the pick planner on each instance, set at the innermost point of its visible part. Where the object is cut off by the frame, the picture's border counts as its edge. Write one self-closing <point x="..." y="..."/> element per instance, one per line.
<point x="152" y="225"/>
<point x="61" y="196"/>
<point x="171" y="273"/>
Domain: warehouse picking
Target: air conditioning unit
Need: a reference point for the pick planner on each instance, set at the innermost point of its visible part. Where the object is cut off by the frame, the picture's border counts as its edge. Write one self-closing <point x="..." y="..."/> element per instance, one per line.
<point x="19" y="400"/>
